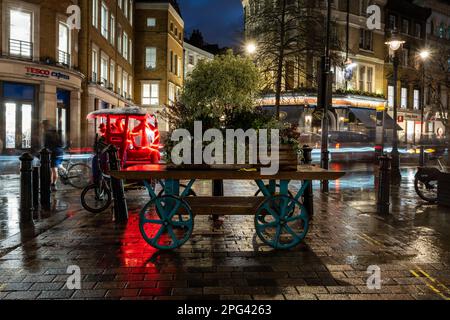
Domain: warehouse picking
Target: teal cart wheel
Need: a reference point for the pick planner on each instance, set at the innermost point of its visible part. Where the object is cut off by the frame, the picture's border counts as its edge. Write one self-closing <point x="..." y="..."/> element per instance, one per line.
<point x="281" y="222"/>
<point x="166" y="222"/>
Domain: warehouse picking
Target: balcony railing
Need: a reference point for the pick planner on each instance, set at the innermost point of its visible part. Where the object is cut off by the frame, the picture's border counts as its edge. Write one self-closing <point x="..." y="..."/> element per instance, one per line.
<point x="63" y="58"/>
<point x="21" y="49"/>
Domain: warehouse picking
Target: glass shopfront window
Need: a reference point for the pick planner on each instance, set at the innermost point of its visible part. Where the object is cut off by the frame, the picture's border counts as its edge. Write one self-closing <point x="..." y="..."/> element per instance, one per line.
<point x="16" y="116"/>
<point x="62" y="115"/>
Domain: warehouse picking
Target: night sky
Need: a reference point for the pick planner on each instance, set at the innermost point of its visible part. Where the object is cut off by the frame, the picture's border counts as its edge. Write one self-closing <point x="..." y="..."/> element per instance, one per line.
<point x="220" y="21"/>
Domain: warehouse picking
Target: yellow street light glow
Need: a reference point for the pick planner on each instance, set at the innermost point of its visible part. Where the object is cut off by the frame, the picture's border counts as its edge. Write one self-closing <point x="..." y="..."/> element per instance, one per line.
<point x="424" y="54"/>
<point x="250" y="48"/>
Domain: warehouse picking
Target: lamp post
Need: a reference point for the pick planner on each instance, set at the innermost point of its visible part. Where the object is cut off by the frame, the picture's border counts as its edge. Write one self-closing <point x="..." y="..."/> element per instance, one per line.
<point x="395" y="43"/>
<point x="324" y="99"/>
<point x="424" y="55"/>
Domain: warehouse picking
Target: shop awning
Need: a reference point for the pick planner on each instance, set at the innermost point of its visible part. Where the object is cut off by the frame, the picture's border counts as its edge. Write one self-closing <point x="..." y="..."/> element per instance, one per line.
<point x="291" y="114"/>
<point x="366" y="116"/>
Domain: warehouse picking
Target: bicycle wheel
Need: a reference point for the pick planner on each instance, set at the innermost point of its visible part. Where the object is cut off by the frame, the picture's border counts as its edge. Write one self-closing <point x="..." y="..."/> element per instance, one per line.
<point x="96" y="198"/>
<point x="79" y="175"/>
<point x="427" y="190"/>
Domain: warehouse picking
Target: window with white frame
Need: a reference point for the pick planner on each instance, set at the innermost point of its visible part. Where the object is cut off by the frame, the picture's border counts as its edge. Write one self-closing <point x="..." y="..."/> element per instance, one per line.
<point x="104" y="65"/>
<point x="104" y="20"/>
<point x="120" y="2"/>
<point x="125" y="8"/>
<point x="180" y="66"/>
<point x="112" y="29"/>
<point x="391" y="96"/>
<point x="94" y="65"/>
<point x="63" y="43"/>
<point x="416" y="99"/>
<point x="130" y="55"/>
<point x="176" y="64"/>
<point x="404" y="98"/>
<point x="369" y="79"/>
<point x="131" y="12"/>
<point x="172" y="94"/>
<point x="119" y="39"/>
<point x="112" y="74"/>
<point x="151" y="22"/>
<point x="125" y="45"/>
<point x="150" y="58"/>
<point x="125" y="84"/>
<point x="365" y="78"/>
<point x="21" y="33"/>
<point x="119" y="79"/>
<point x="362" y="78"/>
<point x="130" y="85"/>
<point x="150" y="94"/>
<point x="95" y="13"/>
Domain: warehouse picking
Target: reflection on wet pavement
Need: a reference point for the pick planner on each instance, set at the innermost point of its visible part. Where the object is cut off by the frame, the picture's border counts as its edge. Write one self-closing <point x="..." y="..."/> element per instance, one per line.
<point x="411" y="247"/>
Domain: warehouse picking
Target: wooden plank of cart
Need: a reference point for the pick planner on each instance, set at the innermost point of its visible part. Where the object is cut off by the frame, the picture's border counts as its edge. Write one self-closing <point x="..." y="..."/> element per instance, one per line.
<point x="281" y="218"/>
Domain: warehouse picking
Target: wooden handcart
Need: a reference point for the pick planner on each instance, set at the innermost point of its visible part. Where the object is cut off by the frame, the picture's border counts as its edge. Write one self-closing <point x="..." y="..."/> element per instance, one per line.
<point x="281" y="219"/>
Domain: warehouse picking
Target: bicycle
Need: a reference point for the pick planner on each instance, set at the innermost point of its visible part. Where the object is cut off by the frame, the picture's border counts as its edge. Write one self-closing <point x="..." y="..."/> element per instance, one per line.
<point x="76" y="174"/>
<point x="426" y="181"/>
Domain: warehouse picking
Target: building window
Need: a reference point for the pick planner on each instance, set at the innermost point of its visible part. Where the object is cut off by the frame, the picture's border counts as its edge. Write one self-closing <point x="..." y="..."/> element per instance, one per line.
<point x="405" y="59"/>
<point x="125" y="46"/>
<point x="191" y="59"/>
<point x="391" y="96"/>
<point x="172" y="94"/>
<point x="180" y="65"/>
<point x="176" y="65"/>
<point x="150" y="58"/>
<point x="95" y="13"/>
<point x="405" y="26"/>
<point x="20" y="33"/>
<point x="363" y="4"/>
<point x="369" y="80"/>
<point x="365" y="41"/>
<point x="119" y="39"/>
<point x="104" y="17"/>
<point x="418" y="30"/>
<point x="151" y="22"/>
<point x="125" y="8"/>
<point x="171" y="62"/>
<point x="442" y="31"/>
<point x="94" y="65"/>
<point x="63" y="44"/>
<point x="125" y="84"/>
<point x="404" y="98"/>
<point x="104" y="70"/>
<point x="130" y="56"/>
<point x="171" y="27"/>
<point x="112" y="75"/>
<point x="120" y="2"/>
<point x="130" y="83"/>
<point x="362" y="77"/>
<point x="416" y="99"/>
<point x="131" y="12"/>
<point x="112" y="29"/>
<point x="119" y="80"/>
<point x="392" y="22"/>
<point x="150" y="94"/>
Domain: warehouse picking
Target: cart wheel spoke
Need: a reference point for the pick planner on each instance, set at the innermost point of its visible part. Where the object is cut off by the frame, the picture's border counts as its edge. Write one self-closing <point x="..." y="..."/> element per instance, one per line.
<point x="171" y="234"/>
<point x="287" y="229"/>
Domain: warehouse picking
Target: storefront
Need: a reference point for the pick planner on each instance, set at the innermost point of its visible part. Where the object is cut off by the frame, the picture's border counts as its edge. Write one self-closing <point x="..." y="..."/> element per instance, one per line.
<point x="30" y="93"/>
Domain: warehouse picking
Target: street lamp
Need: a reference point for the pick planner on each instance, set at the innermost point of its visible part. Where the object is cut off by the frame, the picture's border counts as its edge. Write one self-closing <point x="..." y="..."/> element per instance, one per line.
<point x="424" y="55"/>
<point x="394" y="43"/>
<point x="250" y="48"/>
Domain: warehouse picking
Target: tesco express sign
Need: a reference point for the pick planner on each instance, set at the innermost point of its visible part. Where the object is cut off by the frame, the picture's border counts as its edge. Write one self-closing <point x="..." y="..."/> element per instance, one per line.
<point x="45" y="73"/>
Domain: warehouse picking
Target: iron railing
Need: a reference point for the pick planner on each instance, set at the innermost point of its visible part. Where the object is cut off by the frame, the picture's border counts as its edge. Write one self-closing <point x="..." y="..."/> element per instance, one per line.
<point x="21" y="49"/>
<point x="63" y="58"/>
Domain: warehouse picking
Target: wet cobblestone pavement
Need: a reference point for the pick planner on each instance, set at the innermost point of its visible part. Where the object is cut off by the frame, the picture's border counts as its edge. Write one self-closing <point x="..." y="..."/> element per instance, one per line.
<point x="347" y="236"/>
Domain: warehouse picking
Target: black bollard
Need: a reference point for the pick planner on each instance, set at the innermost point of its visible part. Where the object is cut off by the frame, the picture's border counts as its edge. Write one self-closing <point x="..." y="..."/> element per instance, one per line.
<point x="120" y="204"/>
<point x="384" y="186"/>
<point x="45" y="178"/>
<point x="35" y="188"/>
<point x="26" y="188"/>
<point x="308" y="195"/>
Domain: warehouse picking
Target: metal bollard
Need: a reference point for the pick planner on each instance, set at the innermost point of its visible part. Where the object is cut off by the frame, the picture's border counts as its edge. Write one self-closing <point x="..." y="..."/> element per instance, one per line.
<point x="35" y="188"/>
<point x="384" y="185"/>
<point x="26" y="188"/>
<point x="45" y="178"/>
<point x="120" y="204"/>
<point x="308" y="195"/>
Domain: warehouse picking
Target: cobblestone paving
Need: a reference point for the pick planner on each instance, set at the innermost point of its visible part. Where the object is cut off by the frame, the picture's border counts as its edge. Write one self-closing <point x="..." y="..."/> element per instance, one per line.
<point x="411" y="247"/>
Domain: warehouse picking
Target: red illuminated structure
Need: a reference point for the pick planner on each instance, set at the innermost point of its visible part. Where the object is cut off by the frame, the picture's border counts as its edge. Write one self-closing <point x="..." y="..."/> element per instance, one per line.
<point x="133" y="131"/>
